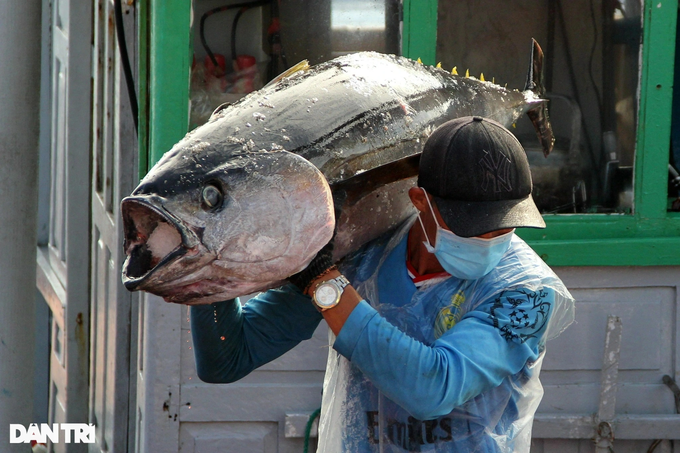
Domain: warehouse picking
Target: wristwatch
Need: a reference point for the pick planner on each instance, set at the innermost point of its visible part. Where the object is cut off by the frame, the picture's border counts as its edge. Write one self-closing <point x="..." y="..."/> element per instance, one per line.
<point x="327" y="293"/>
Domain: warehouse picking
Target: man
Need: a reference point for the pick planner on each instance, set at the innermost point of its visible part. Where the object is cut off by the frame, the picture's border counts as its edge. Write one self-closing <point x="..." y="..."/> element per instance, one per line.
<point x="439" y="337"/>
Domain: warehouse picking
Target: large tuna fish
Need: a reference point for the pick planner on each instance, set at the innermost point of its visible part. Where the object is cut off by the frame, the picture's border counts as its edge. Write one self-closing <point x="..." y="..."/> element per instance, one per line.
<point x="243" y="202"/>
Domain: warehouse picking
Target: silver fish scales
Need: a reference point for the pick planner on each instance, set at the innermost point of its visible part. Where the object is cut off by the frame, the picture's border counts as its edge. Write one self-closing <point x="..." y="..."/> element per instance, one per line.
<point x="245" y="200"/>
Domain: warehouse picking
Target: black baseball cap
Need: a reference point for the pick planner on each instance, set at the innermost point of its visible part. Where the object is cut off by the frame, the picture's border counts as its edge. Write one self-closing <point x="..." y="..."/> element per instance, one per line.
<point x="479" y="175"/>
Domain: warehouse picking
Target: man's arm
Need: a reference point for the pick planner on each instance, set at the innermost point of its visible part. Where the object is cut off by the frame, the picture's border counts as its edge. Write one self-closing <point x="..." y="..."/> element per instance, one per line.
<point x="230" y="341"/>
<point x="477" y="354"/>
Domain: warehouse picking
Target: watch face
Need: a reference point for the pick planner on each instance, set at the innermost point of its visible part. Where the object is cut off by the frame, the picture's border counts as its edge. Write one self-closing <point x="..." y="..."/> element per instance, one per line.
<point x="326" y="295"/>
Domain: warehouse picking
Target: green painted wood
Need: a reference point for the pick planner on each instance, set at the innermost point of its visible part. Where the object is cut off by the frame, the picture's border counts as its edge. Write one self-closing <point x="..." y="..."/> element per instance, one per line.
<point x="656" y="94"/>
<point x="596" y="239"/>
<point x="650" y="236"/>
<point x="601" y="227"/>
<point x="604" y="240"/>
<point x="170" y="62"/>
<point x="646" y="238"/>
<point x="143" y="83"/>
<point x="419" y="37"/>
<point x="614" y="252"/>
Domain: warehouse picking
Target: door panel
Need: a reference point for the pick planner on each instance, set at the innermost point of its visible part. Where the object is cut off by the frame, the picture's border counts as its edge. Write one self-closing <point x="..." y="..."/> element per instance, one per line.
<point x="646" y="300"/>
<point x="63" y="260"/>
<point x="261" y="402"/>
<point x="114" y="149"/>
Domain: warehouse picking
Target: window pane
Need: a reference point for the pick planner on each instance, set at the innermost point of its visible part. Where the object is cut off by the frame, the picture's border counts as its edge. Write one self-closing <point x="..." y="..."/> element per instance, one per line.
<point x="591" y="69"/>
<point x="270" y="39"/>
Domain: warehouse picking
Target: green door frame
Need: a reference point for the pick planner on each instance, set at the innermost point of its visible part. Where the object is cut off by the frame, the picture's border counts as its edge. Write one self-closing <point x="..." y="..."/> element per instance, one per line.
<point x="168" y="74"/>
<point x="649" y="236"/>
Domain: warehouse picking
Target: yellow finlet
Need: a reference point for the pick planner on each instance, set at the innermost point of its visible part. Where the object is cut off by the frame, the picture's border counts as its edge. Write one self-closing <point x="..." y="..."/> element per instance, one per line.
<point x="300" y="67"/>
<point x="420" y="61"/>
<point x="439" y="65"/>
<point x="467" y="73"/>
<point x="454" y="71"/>
<point x="481" y="77"/>
<point x="514" y="125"/>
<point x="493" y="80"/>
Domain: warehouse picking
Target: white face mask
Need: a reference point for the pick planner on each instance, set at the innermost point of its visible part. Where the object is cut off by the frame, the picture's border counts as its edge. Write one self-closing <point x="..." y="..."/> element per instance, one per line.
<point x="465" y="258"/>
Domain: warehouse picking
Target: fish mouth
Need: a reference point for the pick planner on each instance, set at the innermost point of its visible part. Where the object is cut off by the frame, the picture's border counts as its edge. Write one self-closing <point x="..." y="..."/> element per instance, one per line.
<point x="154" y="239"/>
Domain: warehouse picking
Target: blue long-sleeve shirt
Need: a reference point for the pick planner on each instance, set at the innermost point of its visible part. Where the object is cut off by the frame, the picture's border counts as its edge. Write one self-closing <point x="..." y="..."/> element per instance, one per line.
<point x="455" y="353"/>
<point x="230" y="341"/>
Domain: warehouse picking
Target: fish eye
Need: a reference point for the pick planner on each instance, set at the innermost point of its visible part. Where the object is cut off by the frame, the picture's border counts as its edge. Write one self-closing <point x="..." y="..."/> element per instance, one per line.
<point x="212" y="197"/>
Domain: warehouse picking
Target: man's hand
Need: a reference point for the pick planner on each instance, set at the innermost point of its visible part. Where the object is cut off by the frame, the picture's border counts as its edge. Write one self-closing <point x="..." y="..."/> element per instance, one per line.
<point x="322" y="262"/>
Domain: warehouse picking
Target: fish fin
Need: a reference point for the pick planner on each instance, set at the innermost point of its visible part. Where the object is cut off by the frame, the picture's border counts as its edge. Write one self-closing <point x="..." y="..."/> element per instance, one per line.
<point x="439" y="65"/>
<point x="454" y="71"/>
<point x="219" y="108"/>
<point x="539" y="114"/>
<point x="481" y="77"/>
<point x="301" y="66"/>
<point x="467" y="73"/>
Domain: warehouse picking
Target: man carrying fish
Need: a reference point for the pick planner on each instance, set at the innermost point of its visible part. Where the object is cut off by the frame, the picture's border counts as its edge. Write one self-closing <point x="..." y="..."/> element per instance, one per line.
<point x="439" y="326"/>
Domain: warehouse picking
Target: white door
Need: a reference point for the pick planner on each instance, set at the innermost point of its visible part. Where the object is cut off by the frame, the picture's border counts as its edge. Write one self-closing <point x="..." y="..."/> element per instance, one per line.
<point x="114" y="173"/>
<point x="265" y="412"/>
<point x="63" y="258"/>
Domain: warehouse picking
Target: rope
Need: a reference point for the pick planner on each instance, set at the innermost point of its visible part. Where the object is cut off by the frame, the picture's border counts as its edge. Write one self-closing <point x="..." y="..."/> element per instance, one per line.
<point x="308" y="428"/>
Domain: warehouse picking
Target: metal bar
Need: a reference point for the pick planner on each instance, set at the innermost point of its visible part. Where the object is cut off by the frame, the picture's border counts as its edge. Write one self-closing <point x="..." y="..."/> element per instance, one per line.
<point x="610" y="369"/>
<point x="634" y="427"/>
<point x="604" y="437"/>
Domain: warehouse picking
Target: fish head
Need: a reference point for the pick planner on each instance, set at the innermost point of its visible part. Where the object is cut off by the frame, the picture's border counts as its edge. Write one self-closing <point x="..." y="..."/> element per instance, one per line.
<point x="212" y="225"/>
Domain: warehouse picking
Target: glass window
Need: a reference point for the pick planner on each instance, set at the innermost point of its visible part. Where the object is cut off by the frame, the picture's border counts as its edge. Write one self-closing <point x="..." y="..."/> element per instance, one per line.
<point x="238" y="50"/>
<point x="591" y="70"/>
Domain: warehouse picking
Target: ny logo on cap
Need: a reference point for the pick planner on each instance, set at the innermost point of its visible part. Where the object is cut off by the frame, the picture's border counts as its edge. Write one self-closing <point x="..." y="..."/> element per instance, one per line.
<point x="496" y="168"/>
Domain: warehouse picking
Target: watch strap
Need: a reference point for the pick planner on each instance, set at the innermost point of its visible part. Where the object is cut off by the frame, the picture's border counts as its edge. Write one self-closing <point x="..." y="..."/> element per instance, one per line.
<point x="341" y="281"/>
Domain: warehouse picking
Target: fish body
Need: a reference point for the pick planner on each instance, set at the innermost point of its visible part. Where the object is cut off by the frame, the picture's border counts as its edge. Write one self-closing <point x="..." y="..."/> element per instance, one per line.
<point x="245" y="200"/>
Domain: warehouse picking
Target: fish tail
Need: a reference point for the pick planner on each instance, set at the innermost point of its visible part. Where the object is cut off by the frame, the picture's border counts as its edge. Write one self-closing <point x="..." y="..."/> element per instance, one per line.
<point x="539" y="114"/>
